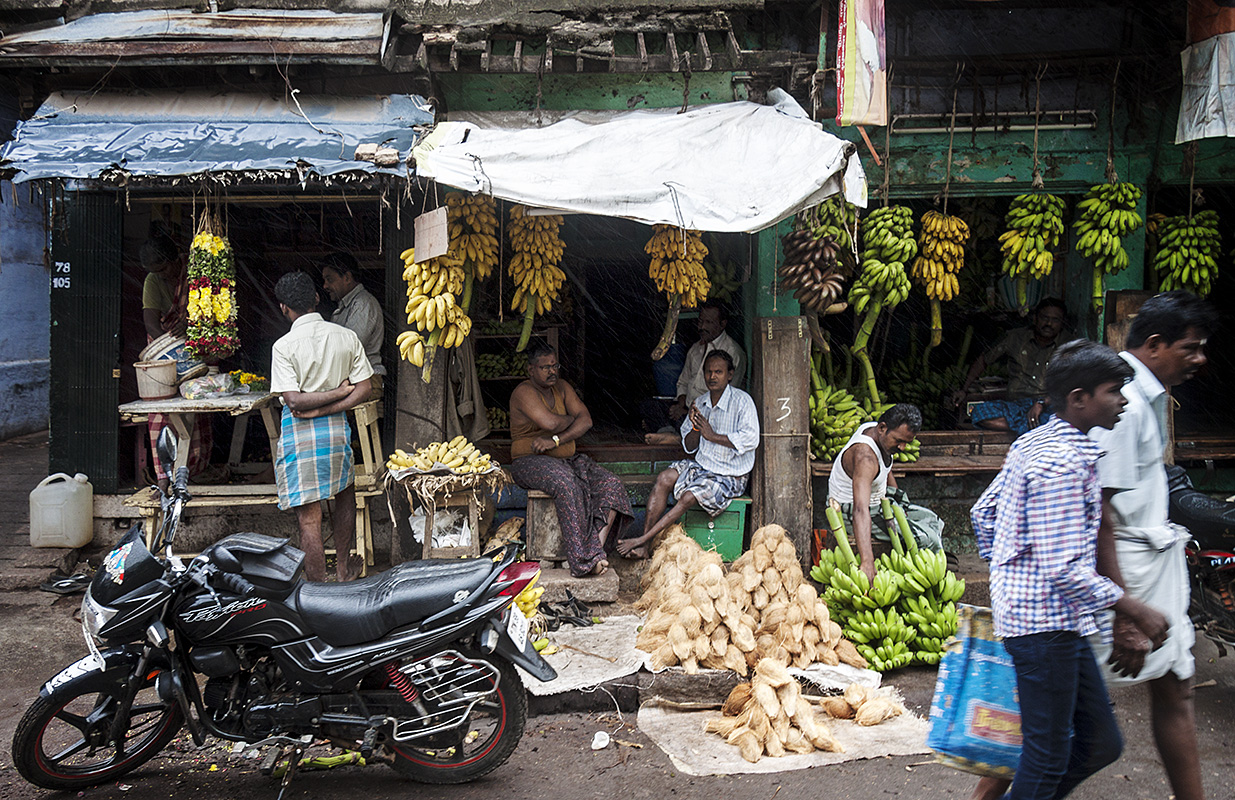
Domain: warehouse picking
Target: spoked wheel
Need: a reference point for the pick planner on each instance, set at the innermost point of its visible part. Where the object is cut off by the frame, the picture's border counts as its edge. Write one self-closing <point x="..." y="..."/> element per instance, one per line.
<point x="482" y="741"/>
<point x="64" y="740"/>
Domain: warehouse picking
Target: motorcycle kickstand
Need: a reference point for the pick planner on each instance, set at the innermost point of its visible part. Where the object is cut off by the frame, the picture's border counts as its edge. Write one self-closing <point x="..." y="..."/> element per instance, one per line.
<point x="293" y="764"/>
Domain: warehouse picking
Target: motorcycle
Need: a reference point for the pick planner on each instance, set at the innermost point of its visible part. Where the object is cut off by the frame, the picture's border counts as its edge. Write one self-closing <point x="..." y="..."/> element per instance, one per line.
<point x="413" y="667"/>
<point x="1210" y="555"/>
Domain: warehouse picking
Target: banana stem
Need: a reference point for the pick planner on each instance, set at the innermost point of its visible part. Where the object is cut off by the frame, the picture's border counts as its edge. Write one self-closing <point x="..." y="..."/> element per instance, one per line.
<point x="827" y="364"/>
<point x="962" y="361"/>
<point x="671" y="326"/>
<point x="529" y="315"/>
<point x="468" y="283"/>
<point x="859" y="353"/>
<point x="902" y="522"/>
<point x="426" y="372"/>
<point x="885" y="506"/>
<point x="816" y="332"/>
<point x="1022" y="294"/>
<point x="839" y="534"/>
<point x="1098" y="289"/>
<point x="936" y="323"/>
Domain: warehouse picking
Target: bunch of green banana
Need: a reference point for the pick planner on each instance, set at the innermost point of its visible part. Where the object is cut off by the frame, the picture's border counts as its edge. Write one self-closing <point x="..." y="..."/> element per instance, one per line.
<point x="492" y="365"/>
<point x="908" y="382"/>
<point x="499" y="418"/>
<point x="726" y="280"/>
<point x="910" y="453"/>
<point x="1035" y="222"/>
<point x="887" y="234"/>
<point x="833" y="217"/>
<point x="879" y="285"/>
<point x="834" y="415"/>
<point x="941" y="256"/>
<point x="1188" y="250"/>
<point x="1104" y="217"/>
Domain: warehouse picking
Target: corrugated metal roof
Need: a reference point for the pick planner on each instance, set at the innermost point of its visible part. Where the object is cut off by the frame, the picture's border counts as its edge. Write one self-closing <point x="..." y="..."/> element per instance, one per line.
<point x="78" y="136"/>
<point x="137" y="35"/>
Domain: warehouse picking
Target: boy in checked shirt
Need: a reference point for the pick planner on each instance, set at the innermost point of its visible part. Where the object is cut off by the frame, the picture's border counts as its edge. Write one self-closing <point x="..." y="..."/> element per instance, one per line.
<point x="1037" y="524"/>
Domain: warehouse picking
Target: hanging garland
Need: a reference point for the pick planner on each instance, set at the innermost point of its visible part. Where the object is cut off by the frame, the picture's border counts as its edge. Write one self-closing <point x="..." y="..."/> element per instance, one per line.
<point x="212" y="334"/>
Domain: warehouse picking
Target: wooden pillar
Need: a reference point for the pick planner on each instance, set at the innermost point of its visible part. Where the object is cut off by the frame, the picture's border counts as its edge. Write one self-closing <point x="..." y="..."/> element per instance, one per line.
<point x="780" y="485"/>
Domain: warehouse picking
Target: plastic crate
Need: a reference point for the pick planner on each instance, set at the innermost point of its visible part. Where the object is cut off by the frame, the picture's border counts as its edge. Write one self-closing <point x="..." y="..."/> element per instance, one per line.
<point x="725" y="533"/>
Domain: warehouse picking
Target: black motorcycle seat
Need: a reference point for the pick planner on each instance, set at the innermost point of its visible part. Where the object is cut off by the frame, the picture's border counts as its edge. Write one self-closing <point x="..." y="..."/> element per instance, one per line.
<point x="360" y="611"/>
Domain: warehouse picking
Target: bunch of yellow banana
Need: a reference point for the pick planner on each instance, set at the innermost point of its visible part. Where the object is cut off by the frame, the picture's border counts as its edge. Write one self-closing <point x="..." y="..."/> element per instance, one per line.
<point x="538" y="248"/>
<point x="677" y="263"/>
<point x="472" y="223"/>
<point x="1035" y="222"/>
<point x="941" y="254"/>
<point x="1104" y="217"/>
<point x="528" y="600"/>
<point x="459" y="455"/>
<point x="432" y="287"/>
<point x="1188" y="249"/>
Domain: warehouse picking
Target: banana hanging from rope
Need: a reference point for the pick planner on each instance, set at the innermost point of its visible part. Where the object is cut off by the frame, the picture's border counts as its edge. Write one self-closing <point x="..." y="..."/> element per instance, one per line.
<point x="1188" y="250"/>
<point x="538" y="249"/>
<point x="677" y="270"/>
<point x="1104" y="217"/>
<point x="1035" y="222"/>
<point x="472" y="221"/>
<point x="941" y="256"/>
<point x="432" y="309"/>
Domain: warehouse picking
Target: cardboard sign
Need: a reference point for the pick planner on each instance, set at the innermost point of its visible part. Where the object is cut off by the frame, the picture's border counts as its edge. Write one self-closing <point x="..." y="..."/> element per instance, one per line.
<point x="432" y="234"/>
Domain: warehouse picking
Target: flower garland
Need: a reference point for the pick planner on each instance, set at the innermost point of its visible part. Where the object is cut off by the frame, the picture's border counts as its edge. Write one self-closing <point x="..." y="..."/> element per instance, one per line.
<point x="212" y="305"/>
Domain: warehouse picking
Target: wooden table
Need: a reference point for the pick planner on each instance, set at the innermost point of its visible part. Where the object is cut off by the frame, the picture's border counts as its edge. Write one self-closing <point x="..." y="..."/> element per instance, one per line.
<point x="180" y="413"/>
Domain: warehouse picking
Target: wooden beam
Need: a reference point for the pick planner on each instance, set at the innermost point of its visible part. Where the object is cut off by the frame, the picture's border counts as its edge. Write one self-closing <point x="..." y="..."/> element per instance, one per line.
<point x="643" y="50"/>
<point x="671" y="43"/>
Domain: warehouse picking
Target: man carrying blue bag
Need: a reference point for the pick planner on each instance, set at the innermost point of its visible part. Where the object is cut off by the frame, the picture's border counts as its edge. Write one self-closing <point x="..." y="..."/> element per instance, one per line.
<point x="1037" y="524"/>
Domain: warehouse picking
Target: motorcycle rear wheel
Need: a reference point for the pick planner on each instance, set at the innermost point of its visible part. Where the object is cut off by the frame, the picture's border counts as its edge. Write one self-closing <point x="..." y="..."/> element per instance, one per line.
<point x="63" y="740"/>
<point x="492" y="732"/>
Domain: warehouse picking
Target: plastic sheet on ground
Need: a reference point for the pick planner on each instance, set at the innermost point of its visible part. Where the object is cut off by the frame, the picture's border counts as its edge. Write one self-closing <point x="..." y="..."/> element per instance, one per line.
<point x="681" y="736"/>
<point x="613" y="638"/>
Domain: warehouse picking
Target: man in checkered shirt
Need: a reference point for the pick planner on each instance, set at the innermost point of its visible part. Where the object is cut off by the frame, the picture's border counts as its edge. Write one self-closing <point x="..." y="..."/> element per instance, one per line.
<point x="1037" y="524"/>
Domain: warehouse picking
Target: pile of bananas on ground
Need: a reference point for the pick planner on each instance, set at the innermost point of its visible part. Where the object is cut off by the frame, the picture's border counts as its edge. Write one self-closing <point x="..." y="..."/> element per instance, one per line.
<point x="909" y="610"/>
<point x="941" y="256"/>
<point x="726" y="281"/>
<point x="677" y="264"/>
<point x="432" y="287"/>
<point x="1035" y="223"/>
<point x="538" y="248"/>
<point x="812" y="271"/>
<point x="499" y="418"/>
<point x="458" y="455"/>
<point x="1188" y="250"/>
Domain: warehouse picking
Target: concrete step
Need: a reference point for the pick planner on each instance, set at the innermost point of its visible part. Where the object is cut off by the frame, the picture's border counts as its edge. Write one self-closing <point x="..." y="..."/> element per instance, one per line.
<point x="591" y="589"/>
<point x="14" y="579"/>
<point x="23" y="555"/>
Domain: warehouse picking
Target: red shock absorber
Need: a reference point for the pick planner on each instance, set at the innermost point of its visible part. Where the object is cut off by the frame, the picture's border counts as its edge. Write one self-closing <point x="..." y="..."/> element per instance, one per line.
<point x="400" y="682"/>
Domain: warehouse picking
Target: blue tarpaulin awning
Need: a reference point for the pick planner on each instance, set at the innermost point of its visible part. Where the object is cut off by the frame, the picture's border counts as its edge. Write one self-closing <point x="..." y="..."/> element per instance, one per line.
<point x="184" y="133"/>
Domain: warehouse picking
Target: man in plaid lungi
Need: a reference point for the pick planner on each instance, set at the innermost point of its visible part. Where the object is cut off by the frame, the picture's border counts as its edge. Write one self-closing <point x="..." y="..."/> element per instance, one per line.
<point x="721" y="430"/>
<point x="322" y="371"/>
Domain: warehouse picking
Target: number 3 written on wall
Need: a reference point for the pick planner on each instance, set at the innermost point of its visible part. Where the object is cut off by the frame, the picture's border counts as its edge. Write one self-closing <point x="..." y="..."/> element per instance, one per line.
<point x="784" y="404"/>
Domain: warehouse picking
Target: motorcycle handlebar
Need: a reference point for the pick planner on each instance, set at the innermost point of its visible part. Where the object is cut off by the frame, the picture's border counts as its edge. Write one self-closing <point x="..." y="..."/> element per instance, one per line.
<point x="236" y="583"/>
<point x="182" y="480"/>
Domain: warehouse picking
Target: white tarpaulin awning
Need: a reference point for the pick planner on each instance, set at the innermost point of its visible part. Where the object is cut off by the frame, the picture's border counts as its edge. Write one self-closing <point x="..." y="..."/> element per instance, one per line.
<point x="1207" y="104"/>
<point x="730" y="167"/>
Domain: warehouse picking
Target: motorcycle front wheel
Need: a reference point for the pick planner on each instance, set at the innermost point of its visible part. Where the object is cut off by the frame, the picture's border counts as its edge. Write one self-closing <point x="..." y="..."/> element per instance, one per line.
<point x="486" y="738"/>
<point x="64" y="740"/>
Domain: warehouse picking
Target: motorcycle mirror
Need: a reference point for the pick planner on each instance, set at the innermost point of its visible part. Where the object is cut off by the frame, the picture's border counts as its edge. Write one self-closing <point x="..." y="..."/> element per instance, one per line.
<point x="167" y="448"/>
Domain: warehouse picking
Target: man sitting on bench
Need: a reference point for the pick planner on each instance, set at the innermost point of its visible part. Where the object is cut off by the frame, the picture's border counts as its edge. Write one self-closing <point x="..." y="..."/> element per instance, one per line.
<point x="721" y="430"/>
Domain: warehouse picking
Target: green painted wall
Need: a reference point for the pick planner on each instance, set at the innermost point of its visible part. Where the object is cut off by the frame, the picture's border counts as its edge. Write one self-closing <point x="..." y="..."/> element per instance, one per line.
<point x="593" y="91"/>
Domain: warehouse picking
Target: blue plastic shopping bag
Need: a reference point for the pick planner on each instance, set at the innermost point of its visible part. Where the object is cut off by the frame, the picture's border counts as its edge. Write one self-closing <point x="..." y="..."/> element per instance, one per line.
<point x="975" y="721"/>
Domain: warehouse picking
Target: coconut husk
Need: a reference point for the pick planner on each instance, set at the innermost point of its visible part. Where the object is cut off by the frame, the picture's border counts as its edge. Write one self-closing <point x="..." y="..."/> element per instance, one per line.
<point x="765" y="696"/>
<point x="773" y="673"/>
<point x="788" y="695"/>
<point x="849" y="654"/>
<point x="738" y="697"/>
<point x="826" y="655"/>
<point x="836" y="707"/>
<point x="749" y="746"/>
<point x="856" y="694"/>
<point x="876" y="710"/>
<point x="720" y="725"/>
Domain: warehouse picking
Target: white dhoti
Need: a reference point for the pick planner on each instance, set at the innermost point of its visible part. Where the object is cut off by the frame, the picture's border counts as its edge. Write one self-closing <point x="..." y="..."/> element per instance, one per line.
<point x="1155" y="572"/>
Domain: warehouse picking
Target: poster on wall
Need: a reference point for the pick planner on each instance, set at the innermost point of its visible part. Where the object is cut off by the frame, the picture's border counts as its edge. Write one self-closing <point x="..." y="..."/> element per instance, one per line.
<point x="861" y="65"/>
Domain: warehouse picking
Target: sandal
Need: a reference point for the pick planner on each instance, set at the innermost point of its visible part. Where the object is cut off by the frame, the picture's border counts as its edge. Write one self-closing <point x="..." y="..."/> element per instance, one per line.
<point x="66" y="584"/>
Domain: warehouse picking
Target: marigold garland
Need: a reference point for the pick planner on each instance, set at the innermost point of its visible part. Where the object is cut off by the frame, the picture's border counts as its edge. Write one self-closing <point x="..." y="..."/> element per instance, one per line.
<point x="212" y="304"/>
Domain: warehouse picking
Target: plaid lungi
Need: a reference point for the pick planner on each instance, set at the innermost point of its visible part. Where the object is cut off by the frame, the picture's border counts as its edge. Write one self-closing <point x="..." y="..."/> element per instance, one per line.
<point x="1016" y="412"/>
<point x="714" y="492"/>
<point x="314" y="459"/>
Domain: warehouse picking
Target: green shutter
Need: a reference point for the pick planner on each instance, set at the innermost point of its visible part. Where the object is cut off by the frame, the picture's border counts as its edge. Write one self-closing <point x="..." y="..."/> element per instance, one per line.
<point x="85" y="338"/>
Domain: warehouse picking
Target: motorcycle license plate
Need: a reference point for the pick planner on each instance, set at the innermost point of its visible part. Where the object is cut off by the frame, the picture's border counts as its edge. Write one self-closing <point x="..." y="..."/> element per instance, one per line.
<point x="517" y="628"/>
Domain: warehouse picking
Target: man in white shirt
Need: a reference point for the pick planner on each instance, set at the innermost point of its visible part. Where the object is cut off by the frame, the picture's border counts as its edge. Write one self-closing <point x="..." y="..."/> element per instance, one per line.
<point x="691" y="382"/>
<point x="357" y="309"/>
<point x="1137" y="548"/>
<point x="722" y="432"/>
<point x="321" y="370"/>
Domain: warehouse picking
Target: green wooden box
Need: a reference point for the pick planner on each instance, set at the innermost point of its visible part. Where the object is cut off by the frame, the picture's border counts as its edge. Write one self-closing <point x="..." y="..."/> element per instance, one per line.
<point x="725" y="533"/>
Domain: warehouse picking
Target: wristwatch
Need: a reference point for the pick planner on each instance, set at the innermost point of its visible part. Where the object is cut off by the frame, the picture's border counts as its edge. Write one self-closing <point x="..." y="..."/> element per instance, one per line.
<point x="557" y="442"/>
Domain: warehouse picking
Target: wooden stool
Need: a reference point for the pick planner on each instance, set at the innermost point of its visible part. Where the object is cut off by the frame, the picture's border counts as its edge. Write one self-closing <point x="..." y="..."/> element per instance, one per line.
<point x="544" y="534"/>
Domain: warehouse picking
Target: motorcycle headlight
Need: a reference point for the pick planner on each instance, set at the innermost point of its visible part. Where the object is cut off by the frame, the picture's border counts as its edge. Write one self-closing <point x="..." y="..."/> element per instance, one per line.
<point x="94" y="616"/>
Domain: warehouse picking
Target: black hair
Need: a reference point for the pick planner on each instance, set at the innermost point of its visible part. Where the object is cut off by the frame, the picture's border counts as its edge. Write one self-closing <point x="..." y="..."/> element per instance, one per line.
<point x="1170" y="315"/>
<point x="902" y="414"/>
<point x="157" y="251"/>
<point x="539" y="351"/>
<point x="1051" y="302"/>
<point x="342" y="263"/>
<point x="1085" y="365"/>
<point x="720" y="309"/>
<point x="721" y="354"/>
<point x="297" y="291"/>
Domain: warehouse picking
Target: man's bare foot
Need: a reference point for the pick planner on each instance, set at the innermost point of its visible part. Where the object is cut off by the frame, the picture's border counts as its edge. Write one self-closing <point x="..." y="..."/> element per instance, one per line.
<point x="637" y="553"/>
<point x="601" y="567"/>
<point x="660" y="438"/>
<point x="354" y="566"/>
<point x="626" y="546"/>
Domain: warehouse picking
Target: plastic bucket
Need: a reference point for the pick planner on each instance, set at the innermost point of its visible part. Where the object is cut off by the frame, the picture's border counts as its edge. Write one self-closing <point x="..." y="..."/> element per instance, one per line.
<point x="156" y="380"/>
<point x="62" y="512"/>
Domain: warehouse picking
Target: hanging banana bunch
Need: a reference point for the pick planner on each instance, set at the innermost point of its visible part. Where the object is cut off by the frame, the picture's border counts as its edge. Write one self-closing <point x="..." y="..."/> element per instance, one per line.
<point x="534" y="266"/>
<point x="1035" y="222"/>
<point x="432" y="287"/>
<point x="677" y="270"/>
<point x="837" y="218"/>
<point x="1188" y="249"/>
<point x="1104" y="217"/>
<point x="941" y="255"/>
<point x="879" y="285"/>
<point x="472" y="223"/>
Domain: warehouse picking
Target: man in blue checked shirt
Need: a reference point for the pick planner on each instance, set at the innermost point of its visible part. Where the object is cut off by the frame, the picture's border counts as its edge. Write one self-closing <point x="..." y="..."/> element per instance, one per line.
<point x="721" y="430"/>
<point x="1038" y="524"/>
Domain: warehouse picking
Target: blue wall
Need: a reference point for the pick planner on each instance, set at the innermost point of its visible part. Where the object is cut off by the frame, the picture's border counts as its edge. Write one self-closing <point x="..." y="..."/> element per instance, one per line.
<point x="24" y="315"/>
